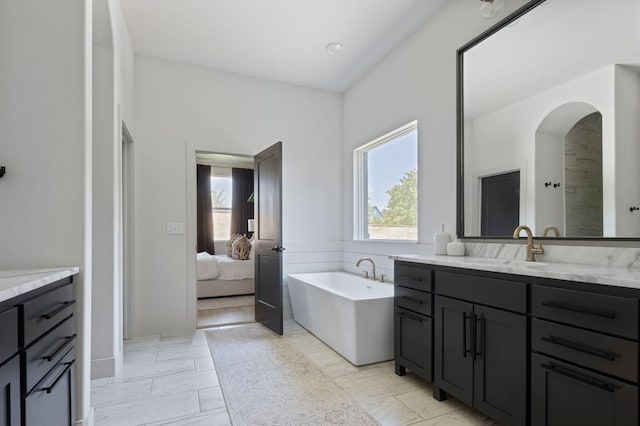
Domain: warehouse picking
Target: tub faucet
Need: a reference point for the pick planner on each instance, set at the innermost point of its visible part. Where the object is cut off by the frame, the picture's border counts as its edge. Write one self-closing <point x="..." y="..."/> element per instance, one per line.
<point x="373" y="266"/>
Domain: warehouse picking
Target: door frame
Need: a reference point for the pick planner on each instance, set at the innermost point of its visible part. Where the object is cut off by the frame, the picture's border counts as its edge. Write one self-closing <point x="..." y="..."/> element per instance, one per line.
<point x="127" y="231"/>
<point x="191" y="226"/>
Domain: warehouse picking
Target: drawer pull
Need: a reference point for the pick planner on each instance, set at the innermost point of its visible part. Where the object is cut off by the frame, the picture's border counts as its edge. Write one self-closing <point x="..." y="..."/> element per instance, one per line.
<point x="580" y="348"/>
<point x="411" y="317"/>
<point x="66" y="343"/>
<point x="579" y="309"/>
<point x="573" y="375"/>
<point x="55" y="382"/>
<point x="56" y="311"/>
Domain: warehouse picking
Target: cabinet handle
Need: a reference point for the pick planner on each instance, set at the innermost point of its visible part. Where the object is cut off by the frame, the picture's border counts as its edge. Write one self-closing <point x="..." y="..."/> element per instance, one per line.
<point x="59" y="309"/>
<point x="55" y="382"/>
<point x="579" y="309"/>
<point x="465" y="350"/>
<point x="66" y="343"/>
<point x="480" y="322"/>
<point x="411" y="317"/>
<point x="577" y="376"/>
<point x="580" y="348"/>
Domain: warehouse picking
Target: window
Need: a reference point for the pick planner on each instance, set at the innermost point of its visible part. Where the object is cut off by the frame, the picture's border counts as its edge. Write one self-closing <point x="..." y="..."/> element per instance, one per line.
<point x="387" y="186"/>
<point x="221" y="186"/>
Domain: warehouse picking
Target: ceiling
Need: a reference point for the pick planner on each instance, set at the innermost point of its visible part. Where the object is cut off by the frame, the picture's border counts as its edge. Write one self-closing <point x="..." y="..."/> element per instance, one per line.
<point x="281" y="40"/>
<point x="555" y="43"/>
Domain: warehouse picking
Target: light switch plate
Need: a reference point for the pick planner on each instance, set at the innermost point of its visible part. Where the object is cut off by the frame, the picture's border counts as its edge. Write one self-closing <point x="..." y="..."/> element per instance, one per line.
<point x="175" y="228"/>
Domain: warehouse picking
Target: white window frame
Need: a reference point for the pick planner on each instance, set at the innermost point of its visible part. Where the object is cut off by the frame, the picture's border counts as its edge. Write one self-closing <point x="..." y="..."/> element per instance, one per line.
<point x="361" y="213"/>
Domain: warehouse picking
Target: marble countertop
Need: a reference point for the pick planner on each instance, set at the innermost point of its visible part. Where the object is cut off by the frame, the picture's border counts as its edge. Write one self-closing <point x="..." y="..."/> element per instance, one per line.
<point x="17" y="282"/>
<point x="606" y="275"/>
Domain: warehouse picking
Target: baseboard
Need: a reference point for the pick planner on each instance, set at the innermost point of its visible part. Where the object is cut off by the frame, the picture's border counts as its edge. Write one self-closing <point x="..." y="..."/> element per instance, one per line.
<point x="87" y="421"/>
<point x="101" y="368"/>
<point x="165" y="327"/>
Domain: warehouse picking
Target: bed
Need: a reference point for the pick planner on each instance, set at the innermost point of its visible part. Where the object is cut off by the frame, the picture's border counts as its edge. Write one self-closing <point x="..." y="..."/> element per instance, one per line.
<point x="220" y="275"/>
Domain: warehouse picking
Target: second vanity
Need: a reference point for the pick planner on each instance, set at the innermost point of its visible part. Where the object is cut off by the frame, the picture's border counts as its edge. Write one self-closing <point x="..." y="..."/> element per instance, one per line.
<point x="525" y="343"/>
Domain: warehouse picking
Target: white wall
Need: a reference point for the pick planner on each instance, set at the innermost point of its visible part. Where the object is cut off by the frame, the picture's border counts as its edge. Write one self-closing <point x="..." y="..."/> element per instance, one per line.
<point x="417" y="80"/>
<point x="180" y="109"/>
<point x="113" y="103"/>
<point x="627" y="125"/>
<point x="45" y="104"/>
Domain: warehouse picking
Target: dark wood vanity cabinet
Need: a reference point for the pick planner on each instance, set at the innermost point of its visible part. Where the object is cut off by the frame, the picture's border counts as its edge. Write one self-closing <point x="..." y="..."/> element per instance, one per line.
<point x="413" y="324"/>
<point x="37" y="335"/>
<point x="584" y="361"/>
<point x="522" y="350"/>
<point x="480" y="351"/>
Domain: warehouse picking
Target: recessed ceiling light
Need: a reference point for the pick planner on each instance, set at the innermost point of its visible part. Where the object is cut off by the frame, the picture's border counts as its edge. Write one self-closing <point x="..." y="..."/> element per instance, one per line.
<point x="334" y="48"/>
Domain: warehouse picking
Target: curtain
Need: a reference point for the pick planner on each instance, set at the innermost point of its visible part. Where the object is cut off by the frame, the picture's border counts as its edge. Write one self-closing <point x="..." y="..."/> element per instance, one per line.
<point x="241" y="209"/>
<point x="205" y="217"/>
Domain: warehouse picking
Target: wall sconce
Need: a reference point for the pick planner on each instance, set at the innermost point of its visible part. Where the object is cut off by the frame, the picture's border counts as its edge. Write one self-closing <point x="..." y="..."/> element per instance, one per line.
<point x="489" y="9"/>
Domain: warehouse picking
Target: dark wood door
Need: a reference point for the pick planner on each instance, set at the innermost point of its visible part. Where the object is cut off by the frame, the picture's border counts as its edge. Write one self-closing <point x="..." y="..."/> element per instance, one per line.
<point x="10" y="393"/>
<point x="413" y="343"/>
<point x="500" y="374"/>
<point x="500" y="204"/>
<point x="564" y="394"/>
<point x="268" y="237"/>
<point x="453" y="366"/>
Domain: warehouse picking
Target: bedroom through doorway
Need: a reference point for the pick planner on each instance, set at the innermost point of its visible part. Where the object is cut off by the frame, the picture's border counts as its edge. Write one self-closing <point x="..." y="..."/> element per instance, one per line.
<point x="225" y="269"/>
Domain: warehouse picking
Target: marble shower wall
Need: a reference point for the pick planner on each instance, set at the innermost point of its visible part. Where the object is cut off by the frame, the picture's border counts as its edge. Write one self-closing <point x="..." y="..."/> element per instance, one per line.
<point x="583" y="177"/>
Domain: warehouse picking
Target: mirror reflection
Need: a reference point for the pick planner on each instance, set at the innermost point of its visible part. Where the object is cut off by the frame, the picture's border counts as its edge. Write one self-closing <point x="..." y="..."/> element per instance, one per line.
<point x="551" y="108"/>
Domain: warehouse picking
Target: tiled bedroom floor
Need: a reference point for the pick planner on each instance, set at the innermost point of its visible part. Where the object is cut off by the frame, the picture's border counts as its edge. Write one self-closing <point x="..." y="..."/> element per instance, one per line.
<point x="171" y="380"/>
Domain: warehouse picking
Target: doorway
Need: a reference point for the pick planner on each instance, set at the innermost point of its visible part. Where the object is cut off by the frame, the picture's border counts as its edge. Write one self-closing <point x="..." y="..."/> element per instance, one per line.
<point x="500" y="205"/>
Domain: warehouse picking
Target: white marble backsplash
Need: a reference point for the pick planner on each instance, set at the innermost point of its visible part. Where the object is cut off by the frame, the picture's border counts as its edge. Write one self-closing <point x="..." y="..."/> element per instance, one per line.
<point x="614" y="257"/>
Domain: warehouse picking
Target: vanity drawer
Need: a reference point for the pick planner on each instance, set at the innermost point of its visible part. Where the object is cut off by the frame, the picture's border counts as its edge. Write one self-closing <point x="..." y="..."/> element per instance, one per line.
<point x="8" y="334"/>
<point x="43" y="355"/>
<point x="52" y="401"/>
<point x="510" y="295"/>
<point x="608" y="314"/>
<point x="413" y="300"/>
<point x="607" y="354"/>
<point x="45" y="311"/>
<point x="412" y="275"/>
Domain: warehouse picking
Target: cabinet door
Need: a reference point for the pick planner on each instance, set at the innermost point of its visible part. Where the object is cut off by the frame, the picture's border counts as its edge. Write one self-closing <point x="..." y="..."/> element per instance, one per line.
<point x="10" y="393"/>
<point x="563" y="394"/>
<point x="500" y="368"/>
<point x="453" y="368"/>
<point x="413" y="342"/>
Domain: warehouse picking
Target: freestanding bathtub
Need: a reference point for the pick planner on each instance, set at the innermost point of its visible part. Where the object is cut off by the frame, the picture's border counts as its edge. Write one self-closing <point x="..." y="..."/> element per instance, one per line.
<point x="351" y="314"/>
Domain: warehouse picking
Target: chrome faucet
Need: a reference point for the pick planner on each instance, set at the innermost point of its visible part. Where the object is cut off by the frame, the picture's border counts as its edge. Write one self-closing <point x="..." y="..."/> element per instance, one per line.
<point x="531" y="249"/>
<point x="373" y="266"/>
<point x="549" y="229"/>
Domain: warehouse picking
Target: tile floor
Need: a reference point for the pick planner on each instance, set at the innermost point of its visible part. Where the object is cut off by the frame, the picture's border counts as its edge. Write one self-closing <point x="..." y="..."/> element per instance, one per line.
<point x="171" y="380"/>
<point x="214" y="312"/>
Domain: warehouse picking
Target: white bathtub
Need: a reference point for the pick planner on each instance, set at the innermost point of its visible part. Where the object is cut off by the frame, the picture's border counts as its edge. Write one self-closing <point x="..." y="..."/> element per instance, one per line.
<point x="351" y="314"/>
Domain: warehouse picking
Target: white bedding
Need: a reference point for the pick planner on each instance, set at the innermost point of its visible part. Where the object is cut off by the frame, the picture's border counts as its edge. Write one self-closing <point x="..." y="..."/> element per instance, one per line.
<point x="222" y="267"/>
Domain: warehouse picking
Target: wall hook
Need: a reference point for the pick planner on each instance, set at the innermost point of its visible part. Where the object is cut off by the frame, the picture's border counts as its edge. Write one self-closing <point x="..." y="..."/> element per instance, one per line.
<point x="631" y="209"/>
<point x="2" y="171"/>
<point x="547" y="184"/>
<point x="556" y="185"/>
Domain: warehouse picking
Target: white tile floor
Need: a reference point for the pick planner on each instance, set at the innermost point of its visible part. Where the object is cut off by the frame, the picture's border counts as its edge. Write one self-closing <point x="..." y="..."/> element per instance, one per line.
<point x="171" y="380"/>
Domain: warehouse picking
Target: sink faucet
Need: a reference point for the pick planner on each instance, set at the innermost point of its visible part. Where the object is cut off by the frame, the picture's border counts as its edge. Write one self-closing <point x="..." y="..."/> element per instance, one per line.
<point x="531" y="249"/>
<point x="549" y="229"/>
<point x="373" y="265"/>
